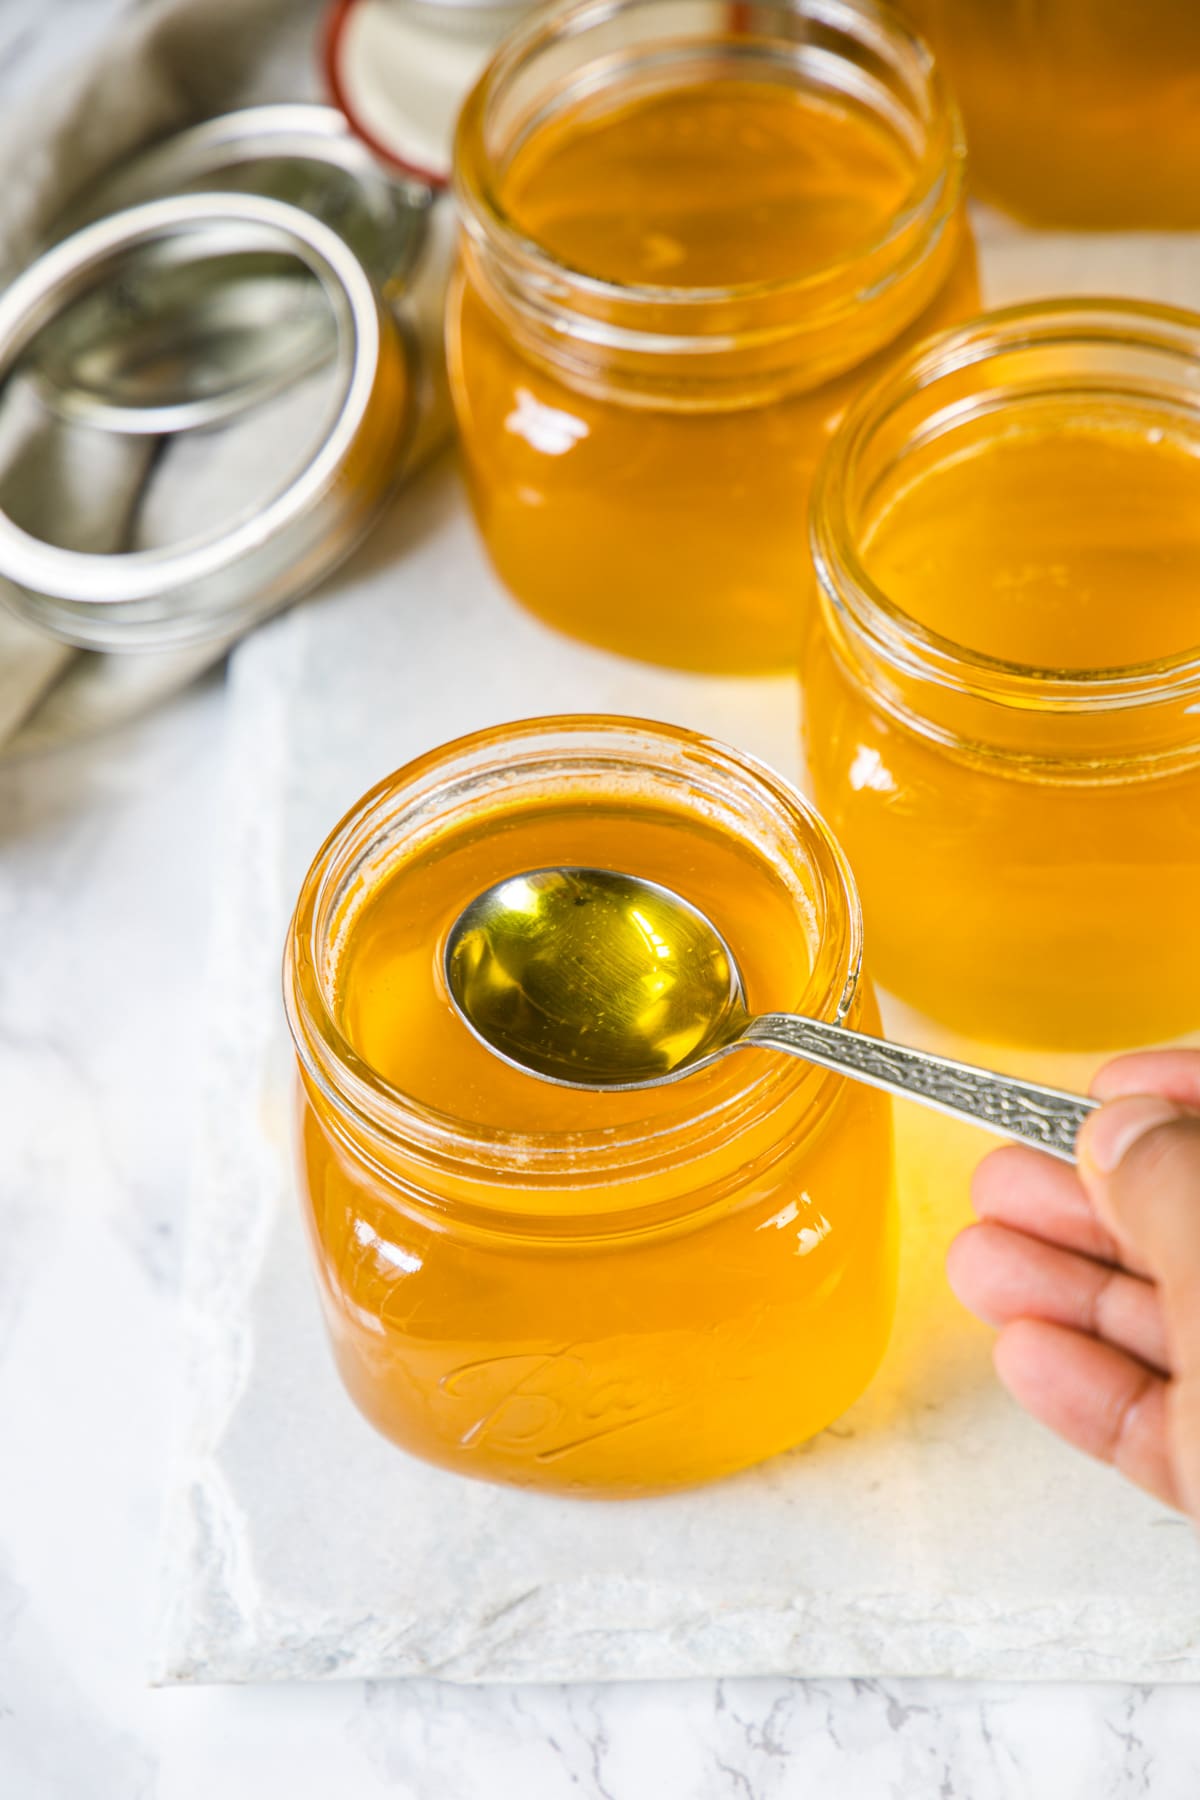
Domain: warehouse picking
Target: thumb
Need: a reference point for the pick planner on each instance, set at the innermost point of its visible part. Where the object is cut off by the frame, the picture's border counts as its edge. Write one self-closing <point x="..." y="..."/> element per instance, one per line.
<point x="1139" y="1159"/>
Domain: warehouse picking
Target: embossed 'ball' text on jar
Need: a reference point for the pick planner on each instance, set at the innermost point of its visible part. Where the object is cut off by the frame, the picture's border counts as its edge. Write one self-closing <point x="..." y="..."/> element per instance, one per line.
<point x="692" y="233"/>
<point x="596" y="1293"/>
<point x="1002" y="692"/>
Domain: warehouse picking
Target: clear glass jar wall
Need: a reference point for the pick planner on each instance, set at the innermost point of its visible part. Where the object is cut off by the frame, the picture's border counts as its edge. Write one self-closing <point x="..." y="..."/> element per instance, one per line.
<point x="600" y="1293"/>
<point x="1003" y="689"/>
<point x="692" y="233"/>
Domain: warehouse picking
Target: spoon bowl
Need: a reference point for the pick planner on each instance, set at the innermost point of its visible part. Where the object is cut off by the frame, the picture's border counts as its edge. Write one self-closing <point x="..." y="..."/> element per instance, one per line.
<point x="593" y="979"/>
<point x="590" y="978"/>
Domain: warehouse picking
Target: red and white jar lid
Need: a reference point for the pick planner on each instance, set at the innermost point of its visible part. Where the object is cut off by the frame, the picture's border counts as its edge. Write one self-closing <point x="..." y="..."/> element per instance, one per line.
<point x="400" y="70"/>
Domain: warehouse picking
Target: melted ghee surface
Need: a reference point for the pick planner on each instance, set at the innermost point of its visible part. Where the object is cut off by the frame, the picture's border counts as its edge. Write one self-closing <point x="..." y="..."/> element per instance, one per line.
<point x="712" y="185"/>
<point x="1061" y="544"/>
<point x="392" y="997"/>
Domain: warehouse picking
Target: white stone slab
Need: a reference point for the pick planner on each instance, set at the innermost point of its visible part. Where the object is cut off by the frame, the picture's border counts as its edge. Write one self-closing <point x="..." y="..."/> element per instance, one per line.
<point x="933" y="1531"/>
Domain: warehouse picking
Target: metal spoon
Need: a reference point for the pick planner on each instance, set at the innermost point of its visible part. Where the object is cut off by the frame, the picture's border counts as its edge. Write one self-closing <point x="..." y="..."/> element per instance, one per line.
<point x="593" y="979"/>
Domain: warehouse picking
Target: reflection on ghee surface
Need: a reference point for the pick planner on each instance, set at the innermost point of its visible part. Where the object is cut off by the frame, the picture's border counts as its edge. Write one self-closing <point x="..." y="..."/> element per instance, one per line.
<point x="718" y="184"/>
<point x="592" y="976"/>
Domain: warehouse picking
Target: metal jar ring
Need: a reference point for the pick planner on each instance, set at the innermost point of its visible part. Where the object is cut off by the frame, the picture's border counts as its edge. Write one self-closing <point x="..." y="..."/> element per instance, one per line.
<point x="218" y="584"/>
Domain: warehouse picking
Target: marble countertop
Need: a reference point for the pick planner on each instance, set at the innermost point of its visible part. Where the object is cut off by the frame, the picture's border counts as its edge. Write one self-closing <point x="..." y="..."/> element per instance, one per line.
<point x="105" y="898"/>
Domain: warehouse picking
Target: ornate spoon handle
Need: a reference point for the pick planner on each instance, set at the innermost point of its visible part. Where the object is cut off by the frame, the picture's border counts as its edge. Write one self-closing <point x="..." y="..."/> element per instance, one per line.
<point x="1045" y="1117"/>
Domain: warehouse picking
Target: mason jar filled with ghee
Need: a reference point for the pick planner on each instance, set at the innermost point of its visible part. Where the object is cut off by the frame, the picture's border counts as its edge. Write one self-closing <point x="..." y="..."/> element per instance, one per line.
<point x="1079" y="113"/>
<point x="1002" y="706"/>
<point x="602" y="1293"/>
<point x="692" y="232"/>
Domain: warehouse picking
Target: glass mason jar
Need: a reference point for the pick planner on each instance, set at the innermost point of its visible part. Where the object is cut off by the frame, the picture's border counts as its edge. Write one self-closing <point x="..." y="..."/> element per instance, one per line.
<point x="598" y="1293"/>
<point x="1079" y="112"/>
<point x="692" y="231"/>
<point x="1003" y="688"/>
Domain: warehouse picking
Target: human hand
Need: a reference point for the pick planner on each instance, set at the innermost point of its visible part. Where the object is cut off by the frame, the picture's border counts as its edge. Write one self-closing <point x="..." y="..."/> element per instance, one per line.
<point x="1093" y="1276"/>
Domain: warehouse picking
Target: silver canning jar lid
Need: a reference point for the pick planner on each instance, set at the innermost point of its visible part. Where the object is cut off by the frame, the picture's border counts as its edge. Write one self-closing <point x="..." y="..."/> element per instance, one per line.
<point x="301" y="152"/>
<point x="180" y="343"/>
<point x="216" y="583"/>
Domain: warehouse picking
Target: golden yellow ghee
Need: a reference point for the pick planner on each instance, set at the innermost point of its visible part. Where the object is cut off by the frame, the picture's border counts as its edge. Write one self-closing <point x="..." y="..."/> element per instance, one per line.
<point x="1078" y="112"/>
<point x="601" y="1293"/>
<point x="672" y="284"/>
<point x="1003" y="700"/>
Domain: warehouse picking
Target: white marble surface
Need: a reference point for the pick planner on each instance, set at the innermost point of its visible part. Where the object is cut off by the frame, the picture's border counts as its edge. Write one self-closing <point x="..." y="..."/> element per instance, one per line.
<point x="105" y="863"/>
<point x="303" y="1546"/>
<point x="105" y="898"/>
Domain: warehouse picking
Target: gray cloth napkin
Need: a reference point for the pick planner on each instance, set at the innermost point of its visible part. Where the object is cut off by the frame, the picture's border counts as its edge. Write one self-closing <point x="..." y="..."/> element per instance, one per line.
<point x="173" y="63"/>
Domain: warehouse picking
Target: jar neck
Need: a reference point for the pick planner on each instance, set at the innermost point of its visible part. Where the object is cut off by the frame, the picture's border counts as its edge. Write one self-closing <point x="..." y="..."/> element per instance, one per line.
<point x="705" y="348"/>
<point x="1087" y="724"/>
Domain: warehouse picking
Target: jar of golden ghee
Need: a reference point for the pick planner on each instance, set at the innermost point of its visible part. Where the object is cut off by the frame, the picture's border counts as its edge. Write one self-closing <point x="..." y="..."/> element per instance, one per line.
<point x="600" y="1293"/>
<point x="1003" y="689"/>
<point x="1079" y="112"/>
<point x="690" y="234"/>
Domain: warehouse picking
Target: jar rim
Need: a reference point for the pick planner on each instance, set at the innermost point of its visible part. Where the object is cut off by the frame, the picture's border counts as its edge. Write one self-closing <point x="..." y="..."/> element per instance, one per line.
<point x="852" y="598"/>
<point x="374" y="1110"/>
<point x="937" y="185"/>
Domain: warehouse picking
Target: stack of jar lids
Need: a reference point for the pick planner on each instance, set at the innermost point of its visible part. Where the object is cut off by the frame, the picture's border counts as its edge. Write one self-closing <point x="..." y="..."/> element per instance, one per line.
<point x="214" y="276"/>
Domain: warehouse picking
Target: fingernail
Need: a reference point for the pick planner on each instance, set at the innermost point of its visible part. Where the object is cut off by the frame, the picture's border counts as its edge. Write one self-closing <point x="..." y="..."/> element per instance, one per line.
<point x="1110" y="1134"/>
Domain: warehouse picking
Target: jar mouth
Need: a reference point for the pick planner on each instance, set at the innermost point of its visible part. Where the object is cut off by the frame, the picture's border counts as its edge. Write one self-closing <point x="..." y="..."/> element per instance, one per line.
<point x="1098" y="349"/>
<point x="419" y="801"/>
<point x="816" y="322"/>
